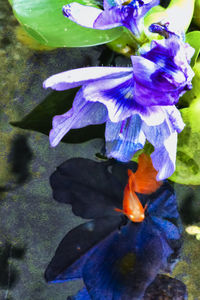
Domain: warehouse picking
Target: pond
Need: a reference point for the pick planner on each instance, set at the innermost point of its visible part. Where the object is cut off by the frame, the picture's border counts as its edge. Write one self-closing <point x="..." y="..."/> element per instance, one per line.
<point x="32" y="223"/>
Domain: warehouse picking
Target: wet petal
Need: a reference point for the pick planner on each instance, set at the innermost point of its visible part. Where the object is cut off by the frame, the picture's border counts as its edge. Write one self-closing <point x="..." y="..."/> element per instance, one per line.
<point x="124" y="138"/>
<point x="164" y="157"/>
<point x="81" y="14"/>
<point x="82" y="114"/>
<point x="74" y="78"/>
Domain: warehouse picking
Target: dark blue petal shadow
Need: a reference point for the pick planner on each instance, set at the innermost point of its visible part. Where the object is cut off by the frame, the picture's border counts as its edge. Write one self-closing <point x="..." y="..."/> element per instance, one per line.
<point x="93" y="189"/>
<point x="75" y="245"/>
<point x="116" y="258"/>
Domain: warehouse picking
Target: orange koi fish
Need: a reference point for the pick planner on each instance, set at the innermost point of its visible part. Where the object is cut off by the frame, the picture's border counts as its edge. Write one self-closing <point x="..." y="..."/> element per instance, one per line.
<point x="142" y="181"/>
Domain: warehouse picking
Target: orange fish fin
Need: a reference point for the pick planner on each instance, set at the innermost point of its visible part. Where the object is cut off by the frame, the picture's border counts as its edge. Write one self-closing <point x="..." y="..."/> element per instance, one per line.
<point x="145" y="207"/>
<point x="145" y="177"/>
<point x="118" y="210"/>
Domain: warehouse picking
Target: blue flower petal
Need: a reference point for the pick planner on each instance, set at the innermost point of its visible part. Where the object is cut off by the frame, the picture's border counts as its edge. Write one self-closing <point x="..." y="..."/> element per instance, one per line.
<point x="126" y="263"/>
<point x="124" y="138"/>
<point x="163" y="203"/>
<point x="168" y="228"/>
<point x="77" y="246"/>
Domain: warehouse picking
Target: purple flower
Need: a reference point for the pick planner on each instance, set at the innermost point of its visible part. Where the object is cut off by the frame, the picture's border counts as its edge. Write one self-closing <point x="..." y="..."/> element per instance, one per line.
<point x="137" y="103"/>
<point x="116" y="258"/>
<point x="116" y="13"/>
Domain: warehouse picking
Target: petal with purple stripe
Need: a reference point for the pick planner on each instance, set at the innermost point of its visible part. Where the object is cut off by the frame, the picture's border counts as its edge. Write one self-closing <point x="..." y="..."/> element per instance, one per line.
<point x="124" y="138"/>
<point x="164" y="157"/>
<point x="116" y="94"/>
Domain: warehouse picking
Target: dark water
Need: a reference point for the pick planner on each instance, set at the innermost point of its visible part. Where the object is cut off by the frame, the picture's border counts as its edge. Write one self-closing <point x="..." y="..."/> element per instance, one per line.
<point x="31" y="223"/>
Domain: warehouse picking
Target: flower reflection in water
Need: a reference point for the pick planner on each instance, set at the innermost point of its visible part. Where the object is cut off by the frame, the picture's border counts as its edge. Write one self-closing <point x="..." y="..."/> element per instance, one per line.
<point x="115" y="257"/>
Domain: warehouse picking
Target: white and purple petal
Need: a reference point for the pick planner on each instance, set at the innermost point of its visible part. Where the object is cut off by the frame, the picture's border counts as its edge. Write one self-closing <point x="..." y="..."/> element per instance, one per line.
<point x="124" y="138"/>
<point x="74" y="78"/>
<point x="164" y="139"/>
<point x="82" y="114"/>
<point x="81" y="14"/>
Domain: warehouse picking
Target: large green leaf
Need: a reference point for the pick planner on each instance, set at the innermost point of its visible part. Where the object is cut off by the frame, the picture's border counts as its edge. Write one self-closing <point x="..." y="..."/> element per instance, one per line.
<point x="188" y="151"/>
<point x="193" y="38"/>
<point x="56" y="103"/>
<point x="44" y="21"/>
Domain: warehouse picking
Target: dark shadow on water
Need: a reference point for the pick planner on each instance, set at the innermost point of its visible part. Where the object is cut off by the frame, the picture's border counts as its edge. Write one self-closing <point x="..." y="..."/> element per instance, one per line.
<point x="164" y="3"/>
<point x="10" y="275"/>
<point x="20" y="157"/>
<point x="107" y="57"/>
<point x="188" y="210"/>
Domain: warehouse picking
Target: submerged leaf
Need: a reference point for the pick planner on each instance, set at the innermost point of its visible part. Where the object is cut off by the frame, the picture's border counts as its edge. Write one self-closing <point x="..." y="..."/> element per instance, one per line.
<point x="56" y="103"/>
<point x="43" y="20"/>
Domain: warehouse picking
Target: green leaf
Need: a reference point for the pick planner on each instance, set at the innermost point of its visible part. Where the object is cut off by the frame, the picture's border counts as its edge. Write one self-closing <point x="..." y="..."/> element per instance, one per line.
<point x="194" y="93"/>
<point x="44" y="21"/>
<point x="193" y="38"/>
<point x="56" y="103"/>
<point x="188" y="150"/>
